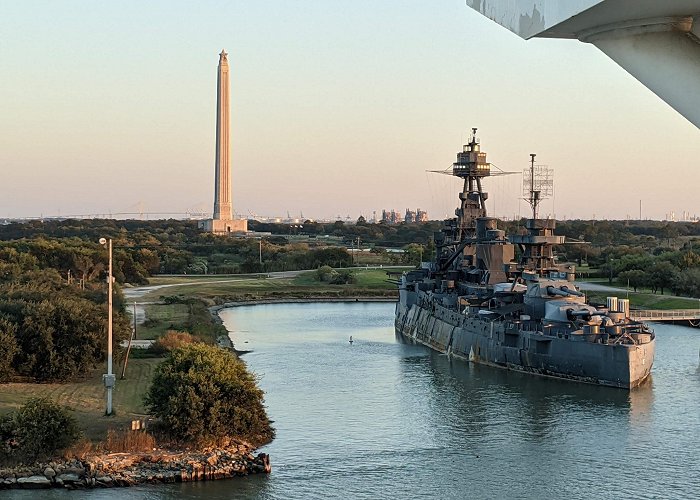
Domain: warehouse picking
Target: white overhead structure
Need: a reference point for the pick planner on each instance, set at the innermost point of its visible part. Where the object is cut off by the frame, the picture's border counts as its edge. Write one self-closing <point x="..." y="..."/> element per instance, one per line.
<point x="656" y="41"/>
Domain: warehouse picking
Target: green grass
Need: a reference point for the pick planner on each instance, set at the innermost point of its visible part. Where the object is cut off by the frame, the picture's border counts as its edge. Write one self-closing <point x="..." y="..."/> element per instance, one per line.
<point x="87" y="397"/>
<point x="241" y="288"/>
<point x="375" y="278"/>
<point x="365" y="279"/>
<point x="168" y="280"/>
<point x="161" y="318"/>
<point x="647" y="300"/>
<point x="213" y="289"/>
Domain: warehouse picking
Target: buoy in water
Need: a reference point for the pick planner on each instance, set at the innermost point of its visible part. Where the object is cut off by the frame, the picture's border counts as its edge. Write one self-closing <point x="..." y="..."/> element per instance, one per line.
<point x="350" y="339"/>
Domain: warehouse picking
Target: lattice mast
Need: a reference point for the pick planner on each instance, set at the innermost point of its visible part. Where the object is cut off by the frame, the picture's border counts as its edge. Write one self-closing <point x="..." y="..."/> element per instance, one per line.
<point x="537" y="246"/>
<point x="538" y="183"/>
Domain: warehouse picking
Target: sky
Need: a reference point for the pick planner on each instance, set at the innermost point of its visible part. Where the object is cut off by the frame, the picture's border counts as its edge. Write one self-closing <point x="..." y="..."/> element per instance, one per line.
<point x="338" y="109"/>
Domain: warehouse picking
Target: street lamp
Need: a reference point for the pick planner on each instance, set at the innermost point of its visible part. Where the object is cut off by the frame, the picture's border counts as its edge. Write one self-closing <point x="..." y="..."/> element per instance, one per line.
<point x="109" y="378"/>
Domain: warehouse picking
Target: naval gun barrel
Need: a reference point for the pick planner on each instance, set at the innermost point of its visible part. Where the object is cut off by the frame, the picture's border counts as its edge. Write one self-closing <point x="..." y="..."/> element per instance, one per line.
<point x="583" y="314"/>
<point x="563" y="291"/>
<point x="556" y="291"/>
<point x="571" y="291"/>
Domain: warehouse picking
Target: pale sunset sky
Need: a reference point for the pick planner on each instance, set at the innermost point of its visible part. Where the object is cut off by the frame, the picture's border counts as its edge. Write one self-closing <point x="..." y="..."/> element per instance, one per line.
<point x="338" y="108"/>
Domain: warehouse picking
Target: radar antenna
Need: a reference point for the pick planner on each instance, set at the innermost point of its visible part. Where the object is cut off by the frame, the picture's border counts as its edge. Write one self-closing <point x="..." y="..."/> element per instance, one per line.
<point x="538" y="183"/>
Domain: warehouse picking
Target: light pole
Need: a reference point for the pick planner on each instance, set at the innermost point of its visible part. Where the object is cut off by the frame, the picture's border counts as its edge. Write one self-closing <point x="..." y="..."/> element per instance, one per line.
<point x="109" y="378"/>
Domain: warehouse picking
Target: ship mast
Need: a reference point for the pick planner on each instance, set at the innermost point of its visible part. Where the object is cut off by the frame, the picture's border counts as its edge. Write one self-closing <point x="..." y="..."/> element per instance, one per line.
<point x="471" y="165"/>
<point x="538" y="183"/>
<point x="537" y="246"/>
<point x="534" y="199"/>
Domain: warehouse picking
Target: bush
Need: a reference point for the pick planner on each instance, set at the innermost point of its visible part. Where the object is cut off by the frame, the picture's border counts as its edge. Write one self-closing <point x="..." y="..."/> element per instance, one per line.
<point x="324" y="274"/>
<point x="202" y="394"/>
<point x="170" y="341"/>
<point x="327" y="274"/>
<point x="39" y="429"/>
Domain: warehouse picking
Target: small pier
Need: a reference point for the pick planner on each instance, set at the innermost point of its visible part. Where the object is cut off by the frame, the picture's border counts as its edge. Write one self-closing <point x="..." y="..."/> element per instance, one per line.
<point x="665" y="315"/>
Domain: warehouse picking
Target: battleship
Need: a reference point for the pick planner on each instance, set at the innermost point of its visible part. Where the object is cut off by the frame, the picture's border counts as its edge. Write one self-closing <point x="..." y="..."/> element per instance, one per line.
<point x="504" y="301"/>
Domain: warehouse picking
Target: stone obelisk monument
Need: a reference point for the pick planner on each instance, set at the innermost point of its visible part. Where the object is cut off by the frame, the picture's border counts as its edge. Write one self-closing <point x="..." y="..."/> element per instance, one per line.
<point x="223" y="221"/>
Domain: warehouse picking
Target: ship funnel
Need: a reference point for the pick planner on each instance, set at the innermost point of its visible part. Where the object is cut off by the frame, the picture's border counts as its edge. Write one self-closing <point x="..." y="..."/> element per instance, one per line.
<point x="623" y="306"/>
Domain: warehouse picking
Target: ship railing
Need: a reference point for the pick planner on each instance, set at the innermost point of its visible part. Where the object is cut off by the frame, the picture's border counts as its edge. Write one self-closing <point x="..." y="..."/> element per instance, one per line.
<point x="664" y="315"/>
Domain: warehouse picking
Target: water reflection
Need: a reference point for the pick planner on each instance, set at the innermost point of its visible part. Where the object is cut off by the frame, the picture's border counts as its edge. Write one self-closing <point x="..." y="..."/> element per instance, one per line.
<point x="381" y="419"/>
<point x="538" y="401"/>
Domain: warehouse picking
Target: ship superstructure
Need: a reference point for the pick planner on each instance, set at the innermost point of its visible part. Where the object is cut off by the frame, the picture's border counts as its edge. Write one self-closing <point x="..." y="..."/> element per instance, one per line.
<point x="477" y="301"/>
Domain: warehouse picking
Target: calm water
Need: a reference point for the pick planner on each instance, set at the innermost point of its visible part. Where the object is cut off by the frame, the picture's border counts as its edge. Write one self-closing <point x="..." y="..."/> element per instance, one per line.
<point x="381" y="419"/>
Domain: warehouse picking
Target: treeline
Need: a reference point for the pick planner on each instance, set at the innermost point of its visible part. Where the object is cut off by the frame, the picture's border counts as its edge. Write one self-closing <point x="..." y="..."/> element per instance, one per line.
<point x="665" y="269"/>
<point x="658" y="255"/>
<point x="50" y="330"/>
<point x="381" y="234"/>
<point x="145" y="248"/>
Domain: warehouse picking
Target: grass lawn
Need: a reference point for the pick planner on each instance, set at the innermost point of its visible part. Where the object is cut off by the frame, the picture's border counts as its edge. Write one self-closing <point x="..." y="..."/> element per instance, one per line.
<point x="169" y="280"/>
<point x="217" y="288"/>
<point x="364" y="279"/>
<point x="87" y="398"/>
<point x="161" y="318"/>
<point x="230" y="287"/>
<point x="647" y="300"/>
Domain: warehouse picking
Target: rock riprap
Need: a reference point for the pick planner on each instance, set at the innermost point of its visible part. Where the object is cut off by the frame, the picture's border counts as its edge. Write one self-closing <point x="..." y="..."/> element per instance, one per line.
<point x="128" y="469"/>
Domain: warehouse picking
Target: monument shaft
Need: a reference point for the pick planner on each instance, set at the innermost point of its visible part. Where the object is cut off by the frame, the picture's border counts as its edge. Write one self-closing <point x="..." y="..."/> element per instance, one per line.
<point x="223" y="222"/>
<point x="222" y="194"/>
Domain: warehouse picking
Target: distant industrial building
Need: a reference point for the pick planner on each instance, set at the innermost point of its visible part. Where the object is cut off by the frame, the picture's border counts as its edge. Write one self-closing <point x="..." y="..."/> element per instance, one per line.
<point x="416" y="216"/>
<point x="394" y="217"/>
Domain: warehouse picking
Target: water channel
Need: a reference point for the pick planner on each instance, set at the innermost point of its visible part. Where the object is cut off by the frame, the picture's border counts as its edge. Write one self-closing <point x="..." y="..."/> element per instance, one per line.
<point x="381" y="419"/>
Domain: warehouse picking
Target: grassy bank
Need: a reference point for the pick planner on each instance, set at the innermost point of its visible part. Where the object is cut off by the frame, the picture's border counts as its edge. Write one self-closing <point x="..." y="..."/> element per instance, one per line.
<point x="182" y="306"/>
<point x="87" y="397"/>
<point x="217" y="290"/>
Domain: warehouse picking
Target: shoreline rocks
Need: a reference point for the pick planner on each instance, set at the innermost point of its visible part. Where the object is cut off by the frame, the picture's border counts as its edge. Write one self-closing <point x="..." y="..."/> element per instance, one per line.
<point x="130" y="469"/>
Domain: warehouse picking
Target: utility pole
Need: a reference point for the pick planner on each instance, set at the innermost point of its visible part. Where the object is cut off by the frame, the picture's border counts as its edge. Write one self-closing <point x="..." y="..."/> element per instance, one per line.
<point x="128" y="349"/>
<point x="109" y="378"/>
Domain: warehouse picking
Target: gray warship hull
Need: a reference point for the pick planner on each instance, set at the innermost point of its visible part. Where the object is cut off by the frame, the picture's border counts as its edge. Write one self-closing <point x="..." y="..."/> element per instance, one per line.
<point x="505" y="301"/>
<point x="523" y="347"/>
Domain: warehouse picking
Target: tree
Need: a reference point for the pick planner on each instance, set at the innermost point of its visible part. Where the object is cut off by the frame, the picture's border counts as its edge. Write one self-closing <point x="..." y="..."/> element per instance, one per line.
<point x="201" y="394"/>
<point x="662" y="275"/>
<point x="41" y="428"/>
<point x="635" y="278"/>
<point x="8" y="348"/>
<point x="414" y="253"/>
<point x="687" y="283"/>
<point x="62" y="338"/>
<point x="688" y="260"/>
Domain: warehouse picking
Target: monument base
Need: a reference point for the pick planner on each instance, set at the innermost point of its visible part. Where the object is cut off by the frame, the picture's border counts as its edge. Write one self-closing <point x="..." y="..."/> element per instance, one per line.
<point x="220" y="226"/>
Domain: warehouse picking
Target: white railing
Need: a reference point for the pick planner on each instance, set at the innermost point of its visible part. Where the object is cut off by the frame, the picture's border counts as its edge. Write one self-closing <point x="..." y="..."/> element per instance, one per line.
<point x="668" y="315"/>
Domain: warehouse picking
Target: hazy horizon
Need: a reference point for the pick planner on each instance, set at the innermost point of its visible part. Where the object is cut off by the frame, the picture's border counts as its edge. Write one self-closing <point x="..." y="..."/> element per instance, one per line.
<point x="337" y="109"/>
